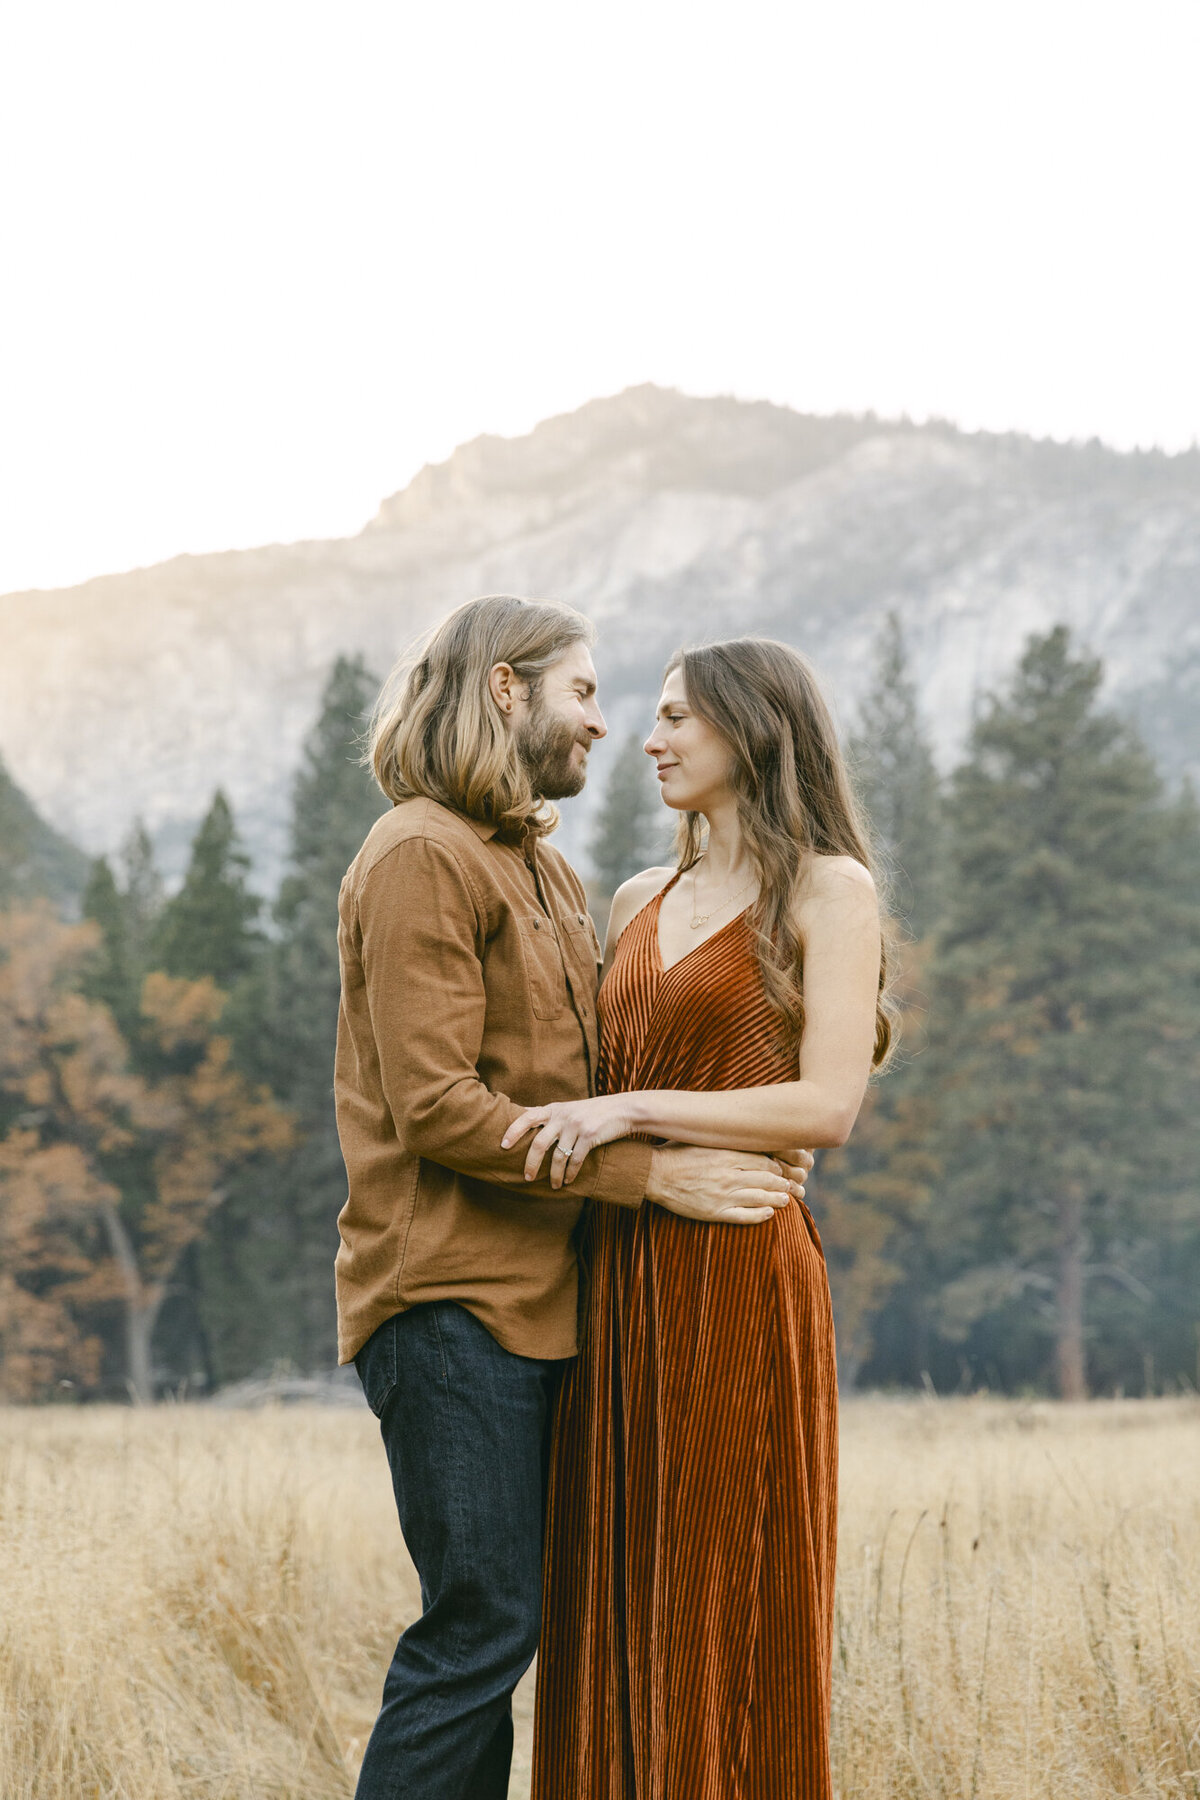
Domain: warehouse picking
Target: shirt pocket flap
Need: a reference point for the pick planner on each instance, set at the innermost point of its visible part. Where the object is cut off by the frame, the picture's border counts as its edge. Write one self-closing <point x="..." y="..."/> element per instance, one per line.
<point x="543" y="966"/>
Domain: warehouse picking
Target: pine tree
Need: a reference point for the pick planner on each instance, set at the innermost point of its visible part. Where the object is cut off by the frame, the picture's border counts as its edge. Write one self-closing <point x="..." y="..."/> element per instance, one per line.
<point x="630" y="828"/>
<point x="1066" y="997"/>
<point x="126" y="914"/>
<point x="142" y="889"/>
<point x="898" y="781"/>
<point x="268" y="1270"/>
<point x="207" y="928"/>
<point x="114" y="978"/>
<point x="205" y="931"/>
<point x="334" y="804"/>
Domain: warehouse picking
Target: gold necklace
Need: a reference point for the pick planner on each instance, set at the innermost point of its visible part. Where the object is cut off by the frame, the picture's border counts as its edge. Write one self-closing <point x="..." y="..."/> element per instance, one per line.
<point x="699" y="919"/>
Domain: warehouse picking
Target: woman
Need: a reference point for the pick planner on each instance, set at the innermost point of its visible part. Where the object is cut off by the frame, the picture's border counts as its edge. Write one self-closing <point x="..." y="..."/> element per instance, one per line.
<point x="685" y="1650"/>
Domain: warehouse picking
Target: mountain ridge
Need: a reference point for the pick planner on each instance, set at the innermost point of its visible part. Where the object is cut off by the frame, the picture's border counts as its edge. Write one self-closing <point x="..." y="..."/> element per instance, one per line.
<point x="662" y="516"/>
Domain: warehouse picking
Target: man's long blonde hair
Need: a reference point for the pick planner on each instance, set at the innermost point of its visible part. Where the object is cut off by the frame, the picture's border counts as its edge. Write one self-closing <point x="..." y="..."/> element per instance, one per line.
<point x="436" y="729"/>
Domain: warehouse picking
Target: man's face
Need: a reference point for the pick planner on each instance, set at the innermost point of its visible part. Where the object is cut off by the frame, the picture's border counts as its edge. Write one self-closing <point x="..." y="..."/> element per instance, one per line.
<point x="557" y="724"/>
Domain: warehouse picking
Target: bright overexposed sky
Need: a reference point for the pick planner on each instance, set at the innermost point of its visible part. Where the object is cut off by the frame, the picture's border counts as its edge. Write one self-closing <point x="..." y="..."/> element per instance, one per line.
<point x="261" y="259"/>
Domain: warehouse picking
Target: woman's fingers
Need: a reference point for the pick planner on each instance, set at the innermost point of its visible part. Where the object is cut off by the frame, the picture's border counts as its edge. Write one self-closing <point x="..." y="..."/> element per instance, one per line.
<point x="579" y="1150"/>
<point x="543" y="1141"/>
<point x="559" y="1158"/>
<point x="533" y="1115"/>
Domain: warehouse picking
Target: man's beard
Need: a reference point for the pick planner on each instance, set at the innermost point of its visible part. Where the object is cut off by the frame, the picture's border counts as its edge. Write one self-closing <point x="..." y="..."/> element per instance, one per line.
<point x="544" y="744"/>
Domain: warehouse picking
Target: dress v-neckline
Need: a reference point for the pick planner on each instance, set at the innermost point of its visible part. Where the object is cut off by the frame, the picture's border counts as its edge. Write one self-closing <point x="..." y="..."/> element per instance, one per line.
<point x="664" y="967"/>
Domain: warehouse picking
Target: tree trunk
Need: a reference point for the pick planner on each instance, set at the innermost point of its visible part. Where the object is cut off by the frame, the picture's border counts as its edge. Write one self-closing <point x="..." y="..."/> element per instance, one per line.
<point x="142" y="1305"/>
<point x="1069" y="1356"/>
<point x="139" y="1326"/>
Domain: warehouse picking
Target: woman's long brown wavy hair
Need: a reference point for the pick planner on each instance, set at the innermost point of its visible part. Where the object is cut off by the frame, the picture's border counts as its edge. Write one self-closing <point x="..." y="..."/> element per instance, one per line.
<point x="794" y="801"/>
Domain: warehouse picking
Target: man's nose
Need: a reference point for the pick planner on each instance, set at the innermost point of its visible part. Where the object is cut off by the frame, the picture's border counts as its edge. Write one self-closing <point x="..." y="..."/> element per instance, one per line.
<point x="594" y="721"/>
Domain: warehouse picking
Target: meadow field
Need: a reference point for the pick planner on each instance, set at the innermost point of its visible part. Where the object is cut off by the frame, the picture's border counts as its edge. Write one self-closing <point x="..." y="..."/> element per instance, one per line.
<point x="199" y="1604"/>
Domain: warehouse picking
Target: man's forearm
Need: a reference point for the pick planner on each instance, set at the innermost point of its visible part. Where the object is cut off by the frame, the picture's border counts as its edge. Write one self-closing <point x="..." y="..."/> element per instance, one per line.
<point x="422" y="933"/>
<point x="462" y="1126"/>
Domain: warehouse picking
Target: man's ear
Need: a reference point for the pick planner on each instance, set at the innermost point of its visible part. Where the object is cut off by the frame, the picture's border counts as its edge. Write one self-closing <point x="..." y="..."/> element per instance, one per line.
<point x="505" y="686"/>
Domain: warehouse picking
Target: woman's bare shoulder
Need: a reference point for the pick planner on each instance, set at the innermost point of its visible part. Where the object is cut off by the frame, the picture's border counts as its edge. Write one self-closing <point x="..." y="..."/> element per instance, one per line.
<point x="840" y="881"/>
<point x="632" y="895"/>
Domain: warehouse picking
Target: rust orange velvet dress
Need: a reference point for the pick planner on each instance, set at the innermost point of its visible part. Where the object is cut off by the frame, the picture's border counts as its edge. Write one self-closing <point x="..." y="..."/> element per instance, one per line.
<point x="688" y="1616"/>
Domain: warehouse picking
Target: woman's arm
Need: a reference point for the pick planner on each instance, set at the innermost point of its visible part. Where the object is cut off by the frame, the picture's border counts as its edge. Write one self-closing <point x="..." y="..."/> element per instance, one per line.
<point x="838" y="919"/>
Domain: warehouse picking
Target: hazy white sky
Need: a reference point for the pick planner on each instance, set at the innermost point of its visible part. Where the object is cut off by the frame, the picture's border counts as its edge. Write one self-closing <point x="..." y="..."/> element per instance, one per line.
<point x="262" y="260"/>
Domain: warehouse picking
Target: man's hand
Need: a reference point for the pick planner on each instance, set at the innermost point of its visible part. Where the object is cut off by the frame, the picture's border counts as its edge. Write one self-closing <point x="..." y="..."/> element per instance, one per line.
<point x="720" y="1187"/>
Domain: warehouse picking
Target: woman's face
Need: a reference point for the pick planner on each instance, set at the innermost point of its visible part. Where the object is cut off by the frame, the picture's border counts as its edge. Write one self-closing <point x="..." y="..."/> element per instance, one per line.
<point x="691" y="757"/>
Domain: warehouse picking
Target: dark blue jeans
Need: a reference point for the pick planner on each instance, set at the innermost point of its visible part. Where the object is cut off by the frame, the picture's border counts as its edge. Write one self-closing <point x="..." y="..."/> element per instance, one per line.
<point x="466" y="1427"/>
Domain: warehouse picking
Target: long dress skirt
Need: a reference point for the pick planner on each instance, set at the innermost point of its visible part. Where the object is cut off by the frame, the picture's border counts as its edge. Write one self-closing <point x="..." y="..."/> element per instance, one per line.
<point x="691" y="1530"/>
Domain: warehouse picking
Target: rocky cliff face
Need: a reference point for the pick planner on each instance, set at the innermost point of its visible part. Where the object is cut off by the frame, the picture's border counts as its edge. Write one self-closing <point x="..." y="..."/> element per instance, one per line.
<point x="665" y="518"/>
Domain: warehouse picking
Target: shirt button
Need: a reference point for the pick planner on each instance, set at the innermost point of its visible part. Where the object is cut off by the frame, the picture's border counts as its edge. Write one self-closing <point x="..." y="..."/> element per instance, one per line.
<point x="581" y="918"/>
<point x="537" y="924"/>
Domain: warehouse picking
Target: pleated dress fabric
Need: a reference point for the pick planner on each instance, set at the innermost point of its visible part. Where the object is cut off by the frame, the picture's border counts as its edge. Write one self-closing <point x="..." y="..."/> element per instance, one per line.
<point x="688" y="1610"/>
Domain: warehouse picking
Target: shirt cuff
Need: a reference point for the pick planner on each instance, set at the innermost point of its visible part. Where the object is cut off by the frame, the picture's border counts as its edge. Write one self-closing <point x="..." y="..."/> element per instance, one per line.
<point x="624" y="1172"/>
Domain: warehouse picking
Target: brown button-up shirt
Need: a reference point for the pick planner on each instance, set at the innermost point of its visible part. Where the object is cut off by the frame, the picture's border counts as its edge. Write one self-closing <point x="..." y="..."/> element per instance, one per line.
<point x="469" y="972"/>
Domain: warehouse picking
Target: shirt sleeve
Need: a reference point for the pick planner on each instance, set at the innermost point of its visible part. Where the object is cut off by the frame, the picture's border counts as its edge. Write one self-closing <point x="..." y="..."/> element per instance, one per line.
<point x="422" y="930"/>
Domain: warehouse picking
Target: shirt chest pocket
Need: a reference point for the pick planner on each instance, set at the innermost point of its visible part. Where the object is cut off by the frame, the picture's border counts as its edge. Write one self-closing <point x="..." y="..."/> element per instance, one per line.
<point x="581" y="944"/>
<point x="543" y="967"/>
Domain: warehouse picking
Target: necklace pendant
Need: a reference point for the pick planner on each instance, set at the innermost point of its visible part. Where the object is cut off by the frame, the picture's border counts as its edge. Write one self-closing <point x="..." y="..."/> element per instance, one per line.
<point x="697" y="923"/>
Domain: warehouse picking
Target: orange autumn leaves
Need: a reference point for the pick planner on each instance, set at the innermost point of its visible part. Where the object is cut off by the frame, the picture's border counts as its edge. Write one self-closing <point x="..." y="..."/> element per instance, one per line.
<point x="76" y="1114"/>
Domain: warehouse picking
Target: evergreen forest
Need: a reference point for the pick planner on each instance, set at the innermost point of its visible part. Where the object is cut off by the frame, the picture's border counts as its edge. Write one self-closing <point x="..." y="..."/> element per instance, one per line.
<point x="1018" y="1208"/>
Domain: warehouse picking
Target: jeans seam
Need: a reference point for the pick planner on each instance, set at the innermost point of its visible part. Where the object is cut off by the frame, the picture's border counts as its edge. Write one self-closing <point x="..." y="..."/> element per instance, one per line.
<point x="437" y="1331"/>
<point x="393" y="1382"/>
<point x="459" y="1505"/>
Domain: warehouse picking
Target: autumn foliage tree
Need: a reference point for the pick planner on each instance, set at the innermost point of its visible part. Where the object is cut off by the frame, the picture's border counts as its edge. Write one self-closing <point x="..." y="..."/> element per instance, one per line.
<point x="106" y="1174"/>
<point x="49" y="1199"/>
<point x="199" y="1120"/>
<point x="65" y="1101"/>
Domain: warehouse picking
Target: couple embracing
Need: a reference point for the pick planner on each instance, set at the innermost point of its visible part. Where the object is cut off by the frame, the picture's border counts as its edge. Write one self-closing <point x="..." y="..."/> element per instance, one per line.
<point x="576" y="1274"/>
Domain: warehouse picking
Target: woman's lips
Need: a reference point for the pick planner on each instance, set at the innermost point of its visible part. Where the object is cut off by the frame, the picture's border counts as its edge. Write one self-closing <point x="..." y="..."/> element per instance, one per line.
<point x="664" y="769"/>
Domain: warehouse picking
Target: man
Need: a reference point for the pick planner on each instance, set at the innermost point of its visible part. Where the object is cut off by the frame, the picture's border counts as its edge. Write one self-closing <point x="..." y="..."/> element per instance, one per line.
<point x="469" y="969"/>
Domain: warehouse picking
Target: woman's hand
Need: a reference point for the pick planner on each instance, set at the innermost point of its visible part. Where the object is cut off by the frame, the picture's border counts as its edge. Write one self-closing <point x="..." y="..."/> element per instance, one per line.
<point x="797" y="1166"/>
<point x="573" y="1127"/>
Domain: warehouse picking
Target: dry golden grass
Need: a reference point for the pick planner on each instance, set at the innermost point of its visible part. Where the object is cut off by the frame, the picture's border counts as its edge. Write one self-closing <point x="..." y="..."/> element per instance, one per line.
<point x="198" y="1603"/>
<point x="1019" y="1601"/>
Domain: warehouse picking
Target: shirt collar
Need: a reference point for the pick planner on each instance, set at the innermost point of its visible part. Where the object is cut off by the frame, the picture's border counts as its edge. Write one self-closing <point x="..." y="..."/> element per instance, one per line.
<point x="516" y="835"/>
